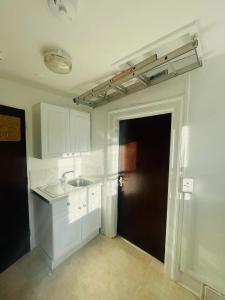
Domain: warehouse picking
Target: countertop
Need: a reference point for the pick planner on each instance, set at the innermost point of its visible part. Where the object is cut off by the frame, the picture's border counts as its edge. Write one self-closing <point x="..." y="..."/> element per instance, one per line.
<point x="58" y="191"/>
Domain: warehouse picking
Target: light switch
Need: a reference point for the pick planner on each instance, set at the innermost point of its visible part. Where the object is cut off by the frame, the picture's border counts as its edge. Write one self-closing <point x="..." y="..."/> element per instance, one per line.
<point x="188" y="185"/>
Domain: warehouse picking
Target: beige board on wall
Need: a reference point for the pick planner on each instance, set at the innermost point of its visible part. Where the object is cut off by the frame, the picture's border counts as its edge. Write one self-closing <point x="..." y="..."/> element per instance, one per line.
<point x="10" y="129"/>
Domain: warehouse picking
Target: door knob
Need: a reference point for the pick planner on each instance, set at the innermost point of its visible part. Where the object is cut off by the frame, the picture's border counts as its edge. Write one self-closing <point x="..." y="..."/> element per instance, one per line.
<point x="121" y="181"/>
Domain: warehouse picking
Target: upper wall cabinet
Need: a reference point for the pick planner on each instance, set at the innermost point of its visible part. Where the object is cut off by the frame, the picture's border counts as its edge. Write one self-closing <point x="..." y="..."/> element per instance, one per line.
<point x="79" y="131"/>
<point x="59" y="131"/>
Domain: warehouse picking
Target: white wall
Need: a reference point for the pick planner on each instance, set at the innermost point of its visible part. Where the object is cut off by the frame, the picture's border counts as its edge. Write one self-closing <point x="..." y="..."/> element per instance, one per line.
<point x="203" y="246"/>
<point x="40" y="172"/>
<point x="203" y="235"/>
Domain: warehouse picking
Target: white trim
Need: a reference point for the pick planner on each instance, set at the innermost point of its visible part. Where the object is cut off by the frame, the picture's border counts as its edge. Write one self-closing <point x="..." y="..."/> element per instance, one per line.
<point x="173" y="106"/>
<point x="185" y="286"/>
<point x="146" y="105"/>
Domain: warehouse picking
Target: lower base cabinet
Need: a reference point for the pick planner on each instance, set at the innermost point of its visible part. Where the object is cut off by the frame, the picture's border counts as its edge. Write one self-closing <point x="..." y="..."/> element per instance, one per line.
<point x="69" y="223"/>
<point x="93" y="219"/>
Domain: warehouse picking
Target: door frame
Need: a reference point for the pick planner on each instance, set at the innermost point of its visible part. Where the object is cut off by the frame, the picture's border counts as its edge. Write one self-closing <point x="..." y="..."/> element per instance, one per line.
<point x="23" y="121"/>
<point x="174" y="216"/>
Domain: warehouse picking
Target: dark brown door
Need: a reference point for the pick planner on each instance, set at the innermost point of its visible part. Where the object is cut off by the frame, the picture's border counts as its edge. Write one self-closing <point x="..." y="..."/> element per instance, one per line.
<point x="143" y="173"/>
<point x="14" y="220"/>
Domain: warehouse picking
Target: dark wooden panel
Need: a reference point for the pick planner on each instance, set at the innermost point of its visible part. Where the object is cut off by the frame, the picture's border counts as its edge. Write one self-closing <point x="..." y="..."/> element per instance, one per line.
<point x="14" y="218"/>
<point x="144" y="165"/>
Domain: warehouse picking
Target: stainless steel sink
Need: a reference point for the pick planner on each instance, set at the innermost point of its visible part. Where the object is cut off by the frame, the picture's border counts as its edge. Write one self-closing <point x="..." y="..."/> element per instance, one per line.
<point x="78" y="182"/>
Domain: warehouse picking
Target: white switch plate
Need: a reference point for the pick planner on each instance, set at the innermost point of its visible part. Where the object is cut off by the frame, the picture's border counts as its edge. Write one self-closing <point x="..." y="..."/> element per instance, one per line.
<point x="188" y="185"/>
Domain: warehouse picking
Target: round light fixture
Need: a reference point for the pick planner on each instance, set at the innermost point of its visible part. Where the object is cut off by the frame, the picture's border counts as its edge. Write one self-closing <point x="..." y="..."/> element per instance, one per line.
<point x="58" y="61"/>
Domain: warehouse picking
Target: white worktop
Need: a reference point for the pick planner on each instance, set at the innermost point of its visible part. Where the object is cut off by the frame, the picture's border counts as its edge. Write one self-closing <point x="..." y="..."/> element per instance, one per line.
<point x="57" y="191"/>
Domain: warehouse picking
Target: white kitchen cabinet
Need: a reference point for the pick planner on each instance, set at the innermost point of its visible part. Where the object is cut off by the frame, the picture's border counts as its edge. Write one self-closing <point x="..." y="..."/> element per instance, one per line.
<point x="50" y="130"/>
<point x="94" y="197"/>
<point x="69" y="223"/>
<point x="66" y="234"/>
<point x="79" y="131"/>
<point x="59" y="131"/>
<point x="93" y="219"/>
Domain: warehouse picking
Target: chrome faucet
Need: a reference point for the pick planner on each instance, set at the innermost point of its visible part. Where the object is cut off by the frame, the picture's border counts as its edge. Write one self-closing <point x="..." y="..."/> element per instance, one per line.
<point x="63" y="178"/>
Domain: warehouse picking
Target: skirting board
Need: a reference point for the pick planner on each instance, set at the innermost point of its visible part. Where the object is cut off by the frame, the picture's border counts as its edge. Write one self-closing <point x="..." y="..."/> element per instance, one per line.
<point x="189" y="283"/>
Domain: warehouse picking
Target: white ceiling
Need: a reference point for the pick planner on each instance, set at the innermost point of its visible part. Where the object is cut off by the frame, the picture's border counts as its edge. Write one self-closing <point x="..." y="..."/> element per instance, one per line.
<point x="103" y="32"/>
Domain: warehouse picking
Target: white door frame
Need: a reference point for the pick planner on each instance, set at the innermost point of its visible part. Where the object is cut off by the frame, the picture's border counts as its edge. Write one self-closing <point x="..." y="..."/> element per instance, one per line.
<point x="175" y="107"/>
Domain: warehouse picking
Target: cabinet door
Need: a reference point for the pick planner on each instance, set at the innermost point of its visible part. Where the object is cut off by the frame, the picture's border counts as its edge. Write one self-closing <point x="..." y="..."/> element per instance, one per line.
<point x="68" y="217"/>
<point x="92" y="221"/>
<point x="67" y="234"/>
<point x="79" y="131"/>
<point x="77" y="201"/>
<point x="54" y="130"/>
<point x="94" y="197"/>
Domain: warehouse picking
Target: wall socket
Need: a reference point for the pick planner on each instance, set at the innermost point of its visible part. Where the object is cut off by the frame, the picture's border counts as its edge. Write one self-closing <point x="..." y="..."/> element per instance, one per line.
<point x="188" y="185"/>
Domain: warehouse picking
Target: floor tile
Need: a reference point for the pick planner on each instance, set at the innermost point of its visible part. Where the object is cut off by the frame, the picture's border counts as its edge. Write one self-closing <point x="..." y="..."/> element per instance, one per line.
<point x="105" y="269"/>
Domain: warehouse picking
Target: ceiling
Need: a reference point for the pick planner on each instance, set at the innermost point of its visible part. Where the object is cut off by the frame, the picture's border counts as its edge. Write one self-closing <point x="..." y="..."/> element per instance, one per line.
<point x="103" y="32"/>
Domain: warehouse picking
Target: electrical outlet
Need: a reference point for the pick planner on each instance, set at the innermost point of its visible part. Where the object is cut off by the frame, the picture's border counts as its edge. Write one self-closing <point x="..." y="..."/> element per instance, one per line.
<point x="188" y="185"/>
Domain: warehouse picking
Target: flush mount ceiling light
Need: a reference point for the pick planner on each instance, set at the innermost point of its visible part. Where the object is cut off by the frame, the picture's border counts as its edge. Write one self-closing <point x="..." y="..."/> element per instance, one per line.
<point x="64" y="9"/>
<point x="58" y="61"/>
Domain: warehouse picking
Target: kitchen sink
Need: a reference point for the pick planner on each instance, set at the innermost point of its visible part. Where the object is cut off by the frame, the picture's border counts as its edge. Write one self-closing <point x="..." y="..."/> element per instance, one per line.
<point x="79" y="182"/>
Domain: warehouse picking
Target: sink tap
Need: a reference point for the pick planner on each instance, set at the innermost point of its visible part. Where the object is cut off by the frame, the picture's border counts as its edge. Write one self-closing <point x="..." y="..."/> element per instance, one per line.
<point x="63" y="178"/>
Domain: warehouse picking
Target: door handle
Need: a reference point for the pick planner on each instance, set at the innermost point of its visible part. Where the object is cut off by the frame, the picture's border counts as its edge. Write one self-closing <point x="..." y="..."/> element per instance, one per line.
<point x="121" y="181"/>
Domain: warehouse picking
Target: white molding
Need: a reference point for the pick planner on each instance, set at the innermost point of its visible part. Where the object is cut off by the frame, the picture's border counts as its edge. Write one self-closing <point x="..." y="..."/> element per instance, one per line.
<point x="145" y="105"/>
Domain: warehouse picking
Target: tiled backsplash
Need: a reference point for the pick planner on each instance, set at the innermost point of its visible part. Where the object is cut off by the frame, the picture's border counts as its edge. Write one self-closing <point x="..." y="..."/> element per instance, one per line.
<point x="48" y="171"/>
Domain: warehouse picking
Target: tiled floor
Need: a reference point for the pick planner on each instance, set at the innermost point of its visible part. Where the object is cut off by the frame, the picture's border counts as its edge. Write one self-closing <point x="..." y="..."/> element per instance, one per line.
<point x="106" y="269"/>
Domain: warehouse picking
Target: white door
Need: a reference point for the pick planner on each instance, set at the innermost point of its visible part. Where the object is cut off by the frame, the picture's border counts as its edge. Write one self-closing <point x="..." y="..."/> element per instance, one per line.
<point x="54" y="130"/>
<point x="79" y="131"/>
